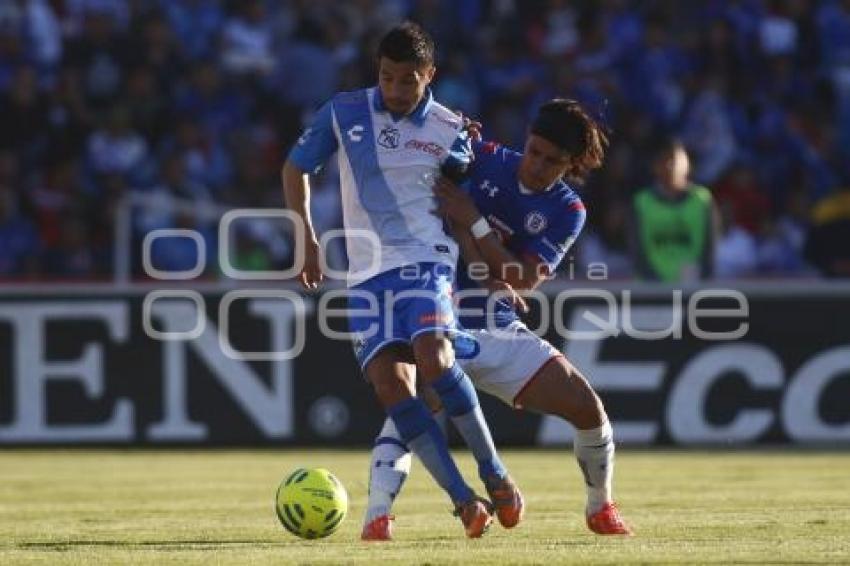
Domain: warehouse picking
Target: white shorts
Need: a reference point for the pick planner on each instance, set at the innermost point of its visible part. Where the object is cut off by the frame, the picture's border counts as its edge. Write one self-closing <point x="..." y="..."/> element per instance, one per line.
<point x="508" y="359"/>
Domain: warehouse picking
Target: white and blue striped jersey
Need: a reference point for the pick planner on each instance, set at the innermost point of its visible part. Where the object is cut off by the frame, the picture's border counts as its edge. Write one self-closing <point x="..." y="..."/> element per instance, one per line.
<point x="387" y="165"/>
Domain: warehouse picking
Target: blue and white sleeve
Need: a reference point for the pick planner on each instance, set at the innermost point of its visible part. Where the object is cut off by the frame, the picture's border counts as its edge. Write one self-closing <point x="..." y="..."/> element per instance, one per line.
<point x="318" y="142"/>
<point x="552" y="244"/>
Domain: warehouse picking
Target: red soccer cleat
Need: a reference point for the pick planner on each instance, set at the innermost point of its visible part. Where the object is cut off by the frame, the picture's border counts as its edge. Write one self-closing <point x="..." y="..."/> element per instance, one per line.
<point x="475" y="515"/>
<point x="607" y="521"/>
<point x="379" y="529"/>
<point x="507" y="500"/>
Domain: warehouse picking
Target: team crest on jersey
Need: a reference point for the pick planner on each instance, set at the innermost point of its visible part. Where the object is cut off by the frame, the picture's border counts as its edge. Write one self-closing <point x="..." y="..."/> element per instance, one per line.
<point x="535" y="222"/>
<point x="389" y="137"/>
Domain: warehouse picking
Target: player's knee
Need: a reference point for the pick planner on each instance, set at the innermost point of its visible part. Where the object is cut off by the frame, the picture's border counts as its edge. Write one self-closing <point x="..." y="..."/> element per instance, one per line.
<point x="434" y="355"/>
<point x="391" y="385"/>
<point x="585" y="407"/>
<point x="390" y="390"/>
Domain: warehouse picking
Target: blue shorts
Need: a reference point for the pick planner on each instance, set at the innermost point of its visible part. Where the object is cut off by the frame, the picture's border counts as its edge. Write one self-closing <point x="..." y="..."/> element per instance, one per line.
<point x="397" y="305"/>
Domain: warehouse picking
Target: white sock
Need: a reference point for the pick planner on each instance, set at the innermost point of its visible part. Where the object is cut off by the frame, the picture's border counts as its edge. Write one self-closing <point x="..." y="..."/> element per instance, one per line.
<point x="594" y="450"/>
<point x="390" y="467"/>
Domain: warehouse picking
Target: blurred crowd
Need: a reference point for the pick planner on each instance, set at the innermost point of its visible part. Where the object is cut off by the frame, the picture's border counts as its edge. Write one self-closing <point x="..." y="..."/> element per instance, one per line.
<point x="104" y="102"/>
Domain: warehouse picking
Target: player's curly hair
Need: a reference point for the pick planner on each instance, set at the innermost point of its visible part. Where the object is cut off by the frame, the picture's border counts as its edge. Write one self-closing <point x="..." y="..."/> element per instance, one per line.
<point x="567" y="125"/>
<point x="407" y="42"/>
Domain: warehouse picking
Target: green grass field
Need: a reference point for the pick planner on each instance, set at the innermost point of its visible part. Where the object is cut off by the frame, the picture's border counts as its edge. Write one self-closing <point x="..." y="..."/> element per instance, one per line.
<point x="115" y="507"/>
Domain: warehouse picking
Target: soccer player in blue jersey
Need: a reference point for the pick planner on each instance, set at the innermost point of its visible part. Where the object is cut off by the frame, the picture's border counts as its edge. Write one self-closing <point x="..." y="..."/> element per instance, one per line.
<point x="388" y="139"/>
<point x="519" y="218"/>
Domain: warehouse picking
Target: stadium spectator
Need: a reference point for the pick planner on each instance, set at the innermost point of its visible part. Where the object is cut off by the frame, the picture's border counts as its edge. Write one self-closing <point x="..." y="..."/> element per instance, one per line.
<point x="205" y="159"/>
<point x="44" y="33"/>
<point x="116" y="149"/>
<point x="749" y="206"/>
<point x="100" y="55"/>
<point x="675" y="221"/>
<point x="762" y="82"/>
<point x="826" y="244"/>
<point x="19" y="241"/>
<point x="23" y="109"/>
<point x="196" y="25"/>
<point x="737" y="249"/>
<point x="247" y="41"/>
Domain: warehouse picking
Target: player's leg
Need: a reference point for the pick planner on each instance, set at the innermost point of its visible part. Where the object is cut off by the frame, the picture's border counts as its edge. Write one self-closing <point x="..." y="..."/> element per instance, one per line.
<point x="383" y="353"/>
<point x="389" y="468"/>
<point x="393" y="379"/>
<point x="438" y="368"/>
<point x="558" y="388"/>
<point x="517" y="366"/>
<point x="429" y="321"/>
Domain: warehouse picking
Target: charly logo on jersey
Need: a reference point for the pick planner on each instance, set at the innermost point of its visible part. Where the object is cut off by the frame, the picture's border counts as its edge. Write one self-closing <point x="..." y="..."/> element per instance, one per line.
<point x="389" y="137"/>
<point x="489" y="188"/>
<point x="535" y="222"/>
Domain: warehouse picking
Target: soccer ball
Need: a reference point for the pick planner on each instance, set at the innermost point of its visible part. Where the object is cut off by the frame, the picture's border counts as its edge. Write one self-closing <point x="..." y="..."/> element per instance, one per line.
<point x="311" y="503"/>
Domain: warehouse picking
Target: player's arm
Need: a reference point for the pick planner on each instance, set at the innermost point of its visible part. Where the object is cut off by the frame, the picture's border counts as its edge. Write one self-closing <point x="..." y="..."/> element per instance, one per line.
<point x="524" y="273"/>
<point x="296" y="194"/>
<point x="472" y="256"/>
<point x="314" y="147"/>
<point x="519" y="273"/>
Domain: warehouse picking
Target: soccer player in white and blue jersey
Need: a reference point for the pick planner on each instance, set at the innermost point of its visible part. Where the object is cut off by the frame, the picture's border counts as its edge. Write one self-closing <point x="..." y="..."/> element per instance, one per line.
<point x="388" y="140"/>
<point x="519" y="218"/>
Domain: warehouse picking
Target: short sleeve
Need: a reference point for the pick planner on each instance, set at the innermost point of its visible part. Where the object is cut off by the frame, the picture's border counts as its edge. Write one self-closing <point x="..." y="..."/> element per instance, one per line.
<point x="484" y="150"/>
<point x="318" y="142"/>
<point x="553" y="243"/>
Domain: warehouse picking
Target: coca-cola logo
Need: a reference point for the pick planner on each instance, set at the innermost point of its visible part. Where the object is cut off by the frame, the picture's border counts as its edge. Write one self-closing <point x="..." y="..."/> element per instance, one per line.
<point x="428" y="147"/>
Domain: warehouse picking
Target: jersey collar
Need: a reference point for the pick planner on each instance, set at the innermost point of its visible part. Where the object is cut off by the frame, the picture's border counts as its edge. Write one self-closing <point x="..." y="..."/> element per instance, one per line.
<point x="419" y="114"/>
<point x="523" y="190"/>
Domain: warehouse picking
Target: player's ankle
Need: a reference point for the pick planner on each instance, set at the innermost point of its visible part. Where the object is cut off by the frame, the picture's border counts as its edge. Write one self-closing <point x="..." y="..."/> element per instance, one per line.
<point x="595" y="505"/>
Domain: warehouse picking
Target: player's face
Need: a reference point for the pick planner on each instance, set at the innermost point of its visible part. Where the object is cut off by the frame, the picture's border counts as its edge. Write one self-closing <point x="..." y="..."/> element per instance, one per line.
<point x="403" y="84"/>
<point x="542" y="163"/>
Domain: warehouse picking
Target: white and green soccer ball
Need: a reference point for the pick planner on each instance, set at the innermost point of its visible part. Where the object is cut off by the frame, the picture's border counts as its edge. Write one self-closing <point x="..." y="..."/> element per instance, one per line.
<point x="311" y="503"/>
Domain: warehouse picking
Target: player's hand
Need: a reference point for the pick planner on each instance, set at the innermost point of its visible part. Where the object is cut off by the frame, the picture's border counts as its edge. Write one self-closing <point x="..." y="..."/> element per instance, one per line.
<point x="454" y="204"/>
<point x="311" y="273"/>
<point x="505" y="290"/>
<point x="472" y="126"/>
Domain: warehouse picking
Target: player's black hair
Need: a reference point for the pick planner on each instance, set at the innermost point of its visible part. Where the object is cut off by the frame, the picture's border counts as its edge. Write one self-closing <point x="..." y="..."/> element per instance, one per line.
<point x="407" y="42"/>
<point x="566" y="124"/>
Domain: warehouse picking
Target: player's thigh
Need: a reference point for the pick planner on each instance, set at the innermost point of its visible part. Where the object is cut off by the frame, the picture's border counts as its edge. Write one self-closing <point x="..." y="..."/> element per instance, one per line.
<point x="558" y="388"/>
<point x="426" y="313"/>
<point x="392" y="375"/>
<point x="433" y="353"/>
<point x="505" y="359"/>
<point x="370" y="328"/>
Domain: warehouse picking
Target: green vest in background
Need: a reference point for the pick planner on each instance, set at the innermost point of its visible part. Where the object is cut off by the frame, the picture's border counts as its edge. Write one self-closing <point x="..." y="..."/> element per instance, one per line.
<point x="673" y="234"/>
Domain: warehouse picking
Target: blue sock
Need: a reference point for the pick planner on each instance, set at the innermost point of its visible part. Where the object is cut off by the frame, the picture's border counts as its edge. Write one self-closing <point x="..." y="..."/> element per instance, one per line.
<point x="461" y="403"/>
<point x="423" y="436"/>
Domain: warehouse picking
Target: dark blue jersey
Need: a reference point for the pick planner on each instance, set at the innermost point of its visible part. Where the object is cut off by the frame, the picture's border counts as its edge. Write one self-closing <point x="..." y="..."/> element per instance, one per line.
<point x="538" y="228"/>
